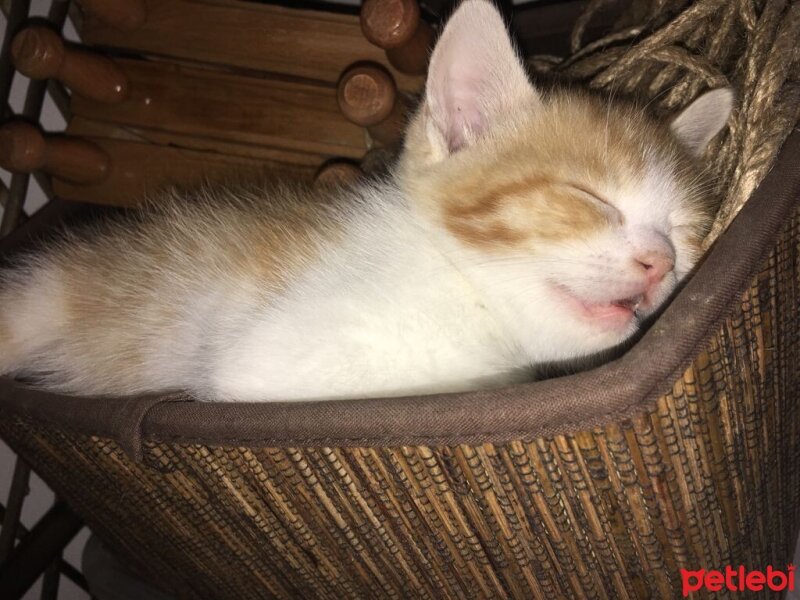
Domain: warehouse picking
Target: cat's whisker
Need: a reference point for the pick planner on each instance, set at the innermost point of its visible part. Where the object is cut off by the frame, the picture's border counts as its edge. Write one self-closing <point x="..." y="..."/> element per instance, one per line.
<point x="658" y="95"/>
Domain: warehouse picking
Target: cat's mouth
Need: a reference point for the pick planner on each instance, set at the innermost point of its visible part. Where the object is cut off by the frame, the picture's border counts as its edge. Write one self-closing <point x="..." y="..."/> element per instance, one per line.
<point x="608" y="313"/>
<point x="632" y="304"/>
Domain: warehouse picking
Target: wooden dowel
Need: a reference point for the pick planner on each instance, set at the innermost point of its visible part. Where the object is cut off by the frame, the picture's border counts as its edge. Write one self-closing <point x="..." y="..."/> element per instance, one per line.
<point x="377" y="160"/>
<point x="60" y="97"/>
<point x="125" y="15"/>
<point x="412" y="57"/>
<point x="338" y="173"/>
<point x="389" y="23"/>
<point x="366" y="94"/>
<point x="23" y="149"/>
<point x="396" y="26"/>
<point x="368" y="97"/>
<point x="39" y="53"/>
<point x="389" y="131"/>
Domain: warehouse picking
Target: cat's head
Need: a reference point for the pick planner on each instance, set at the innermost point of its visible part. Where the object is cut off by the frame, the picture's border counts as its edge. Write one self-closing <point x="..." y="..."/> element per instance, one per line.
<point x="576" y="216"/>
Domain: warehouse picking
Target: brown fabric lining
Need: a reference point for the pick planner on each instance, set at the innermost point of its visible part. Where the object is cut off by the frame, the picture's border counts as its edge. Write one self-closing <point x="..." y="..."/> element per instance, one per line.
<point x="614" y="391"/>
<point x="119" y="419"/>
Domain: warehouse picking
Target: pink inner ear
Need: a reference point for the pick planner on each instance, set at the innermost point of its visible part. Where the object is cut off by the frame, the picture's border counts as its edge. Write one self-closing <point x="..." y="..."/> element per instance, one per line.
<point x="464" y="119"/>
<point x="467" y="121"/>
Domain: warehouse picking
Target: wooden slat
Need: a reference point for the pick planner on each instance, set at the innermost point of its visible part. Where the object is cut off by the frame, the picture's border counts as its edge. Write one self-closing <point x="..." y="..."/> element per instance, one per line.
<point x="234" y="108"/>
<point x="81" y="126"/>
<point x="305" y="43"/>
<point x="138" y="169"/>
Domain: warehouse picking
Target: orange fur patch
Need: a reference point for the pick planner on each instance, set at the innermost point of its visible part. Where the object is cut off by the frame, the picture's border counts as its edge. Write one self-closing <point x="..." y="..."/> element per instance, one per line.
<point x="512" y="213"/>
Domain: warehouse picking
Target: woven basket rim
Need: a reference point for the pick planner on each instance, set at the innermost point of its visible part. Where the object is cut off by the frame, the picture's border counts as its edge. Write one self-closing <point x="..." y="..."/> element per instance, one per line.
<point x="612" y="392"/>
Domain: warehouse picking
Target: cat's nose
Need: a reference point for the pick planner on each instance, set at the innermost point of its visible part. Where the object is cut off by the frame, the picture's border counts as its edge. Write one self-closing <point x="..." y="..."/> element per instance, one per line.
<point x="655" y="263"/>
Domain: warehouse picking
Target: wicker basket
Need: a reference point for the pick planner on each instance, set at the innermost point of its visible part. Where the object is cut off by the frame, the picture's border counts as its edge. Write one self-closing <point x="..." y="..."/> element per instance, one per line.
<point x="681" y="454"/>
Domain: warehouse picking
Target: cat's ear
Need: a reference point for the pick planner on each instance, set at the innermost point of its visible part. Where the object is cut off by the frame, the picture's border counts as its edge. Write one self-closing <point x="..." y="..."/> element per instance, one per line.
<point x="475" y="75"/>
<point x="699" y="122"/>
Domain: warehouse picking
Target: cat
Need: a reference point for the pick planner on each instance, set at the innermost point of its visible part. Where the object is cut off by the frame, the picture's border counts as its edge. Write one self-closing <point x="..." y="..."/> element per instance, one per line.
<point x="519" y="227"/>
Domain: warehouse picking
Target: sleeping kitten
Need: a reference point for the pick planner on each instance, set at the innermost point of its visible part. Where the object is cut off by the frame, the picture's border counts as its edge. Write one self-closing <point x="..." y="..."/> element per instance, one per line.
<point x="519" y="228"/>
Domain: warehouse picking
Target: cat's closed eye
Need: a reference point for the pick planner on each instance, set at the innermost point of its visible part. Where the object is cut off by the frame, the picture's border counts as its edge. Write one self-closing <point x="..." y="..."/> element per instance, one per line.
<point x="614" y="215"/>
<point x="589" y="192"/>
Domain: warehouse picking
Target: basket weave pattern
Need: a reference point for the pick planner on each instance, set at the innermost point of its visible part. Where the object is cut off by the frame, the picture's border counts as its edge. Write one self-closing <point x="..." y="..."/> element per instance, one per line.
<point x="707" y="478"/>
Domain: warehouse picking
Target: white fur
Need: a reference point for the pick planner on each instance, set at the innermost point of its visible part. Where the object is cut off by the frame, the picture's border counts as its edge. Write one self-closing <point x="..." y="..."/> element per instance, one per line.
<point x="361" y="322"/>
<point x="36" y="297"/>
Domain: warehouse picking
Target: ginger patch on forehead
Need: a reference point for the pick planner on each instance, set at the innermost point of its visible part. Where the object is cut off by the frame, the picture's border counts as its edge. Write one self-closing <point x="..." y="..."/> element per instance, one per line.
<point x="518" y="213"/>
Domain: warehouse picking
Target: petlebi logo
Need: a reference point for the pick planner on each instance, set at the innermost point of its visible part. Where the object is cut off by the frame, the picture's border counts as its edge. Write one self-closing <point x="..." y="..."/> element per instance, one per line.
<point x="737" y="579"/>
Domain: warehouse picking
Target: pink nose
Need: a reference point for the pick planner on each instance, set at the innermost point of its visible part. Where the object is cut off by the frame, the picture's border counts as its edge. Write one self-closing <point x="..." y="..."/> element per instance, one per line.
<point x="656" y="264"/>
